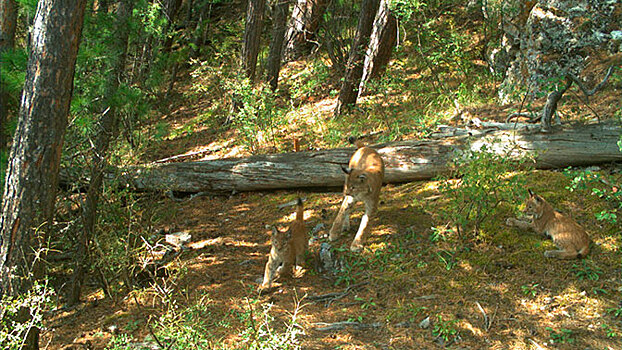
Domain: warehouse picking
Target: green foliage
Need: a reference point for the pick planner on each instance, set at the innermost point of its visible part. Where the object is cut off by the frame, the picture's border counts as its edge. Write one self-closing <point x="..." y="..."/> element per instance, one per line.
<point x="611" y="333"/>
<point x="36" y="302"/>
<point x="258" y="118"/>
<point x="312" y="81"/>
<point x="483" y="184"/>
<point x="447" y="258"/>
<point x="564" y="336"/>
<point x="530" y="289"/>
<point x="445" y="329"/>
<point x="605" y="187"/>
<point x="587" y="271"/>
<point x="617" y="312"/>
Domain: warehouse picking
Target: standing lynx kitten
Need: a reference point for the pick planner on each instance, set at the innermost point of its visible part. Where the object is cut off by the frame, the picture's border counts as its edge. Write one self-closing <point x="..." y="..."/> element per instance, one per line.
<point x="570" y="237"/>
<point x="364" y="176"/>
<point x="288" y="248"/>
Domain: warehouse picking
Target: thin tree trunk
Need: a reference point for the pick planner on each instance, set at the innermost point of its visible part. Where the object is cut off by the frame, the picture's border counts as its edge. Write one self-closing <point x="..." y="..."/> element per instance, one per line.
<point x="8" y="22"/>
<point x="304" y="25"/>
<point x="381" y="43"/>
<point x="280" y="11"/>
<point x="252" y="37"/>
<point x="32" y="174"/>
<point x="354" y="70"/>
<point x="108" y="129"/>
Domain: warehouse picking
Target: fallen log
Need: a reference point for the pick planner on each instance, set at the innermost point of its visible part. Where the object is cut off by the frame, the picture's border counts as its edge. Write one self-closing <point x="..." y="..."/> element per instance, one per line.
<point x="405" y="160"/>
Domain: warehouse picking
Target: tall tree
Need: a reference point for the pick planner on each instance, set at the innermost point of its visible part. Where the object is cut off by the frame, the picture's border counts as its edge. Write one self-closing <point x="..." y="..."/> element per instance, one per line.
<point x="354" y="70"/>
<point x="280" y="9"/>
<point x="107" y="129"/>
<point x="381" y="43"/>
<point x="32" y="174"/>
<point x="252" y="34"/>
<point x="8" y="22"/>
<point x="303" y="28"/>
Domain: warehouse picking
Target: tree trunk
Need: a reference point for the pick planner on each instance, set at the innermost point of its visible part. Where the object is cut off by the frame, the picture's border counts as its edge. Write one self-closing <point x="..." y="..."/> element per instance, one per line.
<point x="303" y="28"/>
<point x="8" y="21"/>
<point x="108" y="129"/>
<point x="381" y="43"/>
<point x="354" y="70"/>
<point x="280" y="11"/>
<point x="405" y="161"/>
<point x="252" y="36"/>
<point x="32" y="174"/>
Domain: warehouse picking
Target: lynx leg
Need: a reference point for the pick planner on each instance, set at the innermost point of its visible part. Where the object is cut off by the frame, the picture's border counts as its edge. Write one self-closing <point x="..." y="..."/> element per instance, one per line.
<point x="286" y="272"/>
<point x="524" y="225"/>
<point x="357" y="243"/>
<point x="561" y="254"/>
<point x="338" y="224"/>
<point x="271" y="267"/>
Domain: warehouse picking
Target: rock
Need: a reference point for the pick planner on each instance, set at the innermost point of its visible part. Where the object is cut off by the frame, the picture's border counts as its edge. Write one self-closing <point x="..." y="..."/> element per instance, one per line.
<point x="425" y="324"/>
<point x="178" y="239"/>
<point x="553" y="38"/>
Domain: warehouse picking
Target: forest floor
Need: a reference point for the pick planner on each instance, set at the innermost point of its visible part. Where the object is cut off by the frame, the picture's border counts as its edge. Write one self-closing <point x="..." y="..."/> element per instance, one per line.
<point x="491" y="291"/>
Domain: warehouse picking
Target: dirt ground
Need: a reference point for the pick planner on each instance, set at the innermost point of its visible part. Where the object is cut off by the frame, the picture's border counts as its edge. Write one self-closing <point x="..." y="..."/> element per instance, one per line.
<point x="401" y="280"/>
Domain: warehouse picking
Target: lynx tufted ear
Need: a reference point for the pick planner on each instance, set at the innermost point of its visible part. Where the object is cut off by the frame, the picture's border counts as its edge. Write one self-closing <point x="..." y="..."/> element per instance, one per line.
<point x="346" y="170"/>
<point x="530" y="192"/>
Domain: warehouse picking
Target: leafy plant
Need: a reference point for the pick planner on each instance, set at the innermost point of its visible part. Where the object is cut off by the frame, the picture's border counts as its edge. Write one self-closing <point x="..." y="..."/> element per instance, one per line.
<point x="13" y="330"/>
<point x="258" y="118"/>
<point x="564" y="336"/>
<point x="530" y="289"/>
<point x="447" y="258"/>
<point x="482" y="185"/>
<point x="445" y="329"/>
<point x="587" y="271"/>
<point x="609" y="331"/>
<point x="605" y="187"/>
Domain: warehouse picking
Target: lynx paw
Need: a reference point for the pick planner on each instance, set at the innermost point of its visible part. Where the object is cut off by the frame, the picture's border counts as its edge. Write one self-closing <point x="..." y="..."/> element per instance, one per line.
<point x="356" y="247"/>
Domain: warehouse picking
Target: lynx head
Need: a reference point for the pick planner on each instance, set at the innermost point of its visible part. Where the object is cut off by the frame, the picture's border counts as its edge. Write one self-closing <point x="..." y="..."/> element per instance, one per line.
<point x="280" y="238"/>
<point x="534" y="205"/>
<point x="357" y="182"/>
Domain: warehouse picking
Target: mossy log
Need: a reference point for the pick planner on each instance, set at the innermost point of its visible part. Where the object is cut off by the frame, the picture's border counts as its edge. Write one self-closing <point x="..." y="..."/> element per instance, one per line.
<point x="405" y="160"/>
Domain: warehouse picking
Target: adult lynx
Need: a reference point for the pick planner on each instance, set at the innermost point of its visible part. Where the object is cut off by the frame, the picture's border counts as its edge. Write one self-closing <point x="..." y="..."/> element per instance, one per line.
<point x="364" y="176"/>
<point x="288" y="248"/>
<point x="570" y="237"/>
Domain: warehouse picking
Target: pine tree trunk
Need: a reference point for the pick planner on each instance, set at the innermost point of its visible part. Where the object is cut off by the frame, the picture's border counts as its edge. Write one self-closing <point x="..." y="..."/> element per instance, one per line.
<point x="252" y="36"/>
<point x="381" y="43"/>
<point x="354" y="70"/>
<point x="32" y="174"/>
<point x="304" y="25"/>
<point x="280" y="11"/>
<point x="8" y="21"/>
<point x="108" y="129"/>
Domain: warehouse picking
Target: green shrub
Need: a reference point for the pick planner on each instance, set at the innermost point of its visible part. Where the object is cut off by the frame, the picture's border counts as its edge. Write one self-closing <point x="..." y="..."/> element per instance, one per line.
<point x="483" y="183"/>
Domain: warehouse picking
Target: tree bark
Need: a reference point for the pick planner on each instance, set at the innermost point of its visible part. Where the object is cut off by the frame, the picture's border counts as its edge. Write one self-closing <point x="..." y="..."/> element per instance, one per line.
<point x="405" y="161"/>
<point x="32" y="174"/>
<point x="354" y="70"/>
<point x="381" y="43"/>
<point x="303" y="28"/>
<point x="280" y="11"/>
<point x="252" y="36"/>
<point x="108" y="129"/>
<point x="8" y="22"/>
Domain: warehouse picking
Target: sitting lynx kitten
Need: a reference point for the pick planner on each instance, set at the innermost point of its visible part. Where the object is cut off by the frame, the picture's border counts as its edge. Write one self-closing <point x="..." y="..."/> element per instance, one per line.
<point x="288" y="248"/>
<point x="570" y="238"/>
<point x="364" y="176"/>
